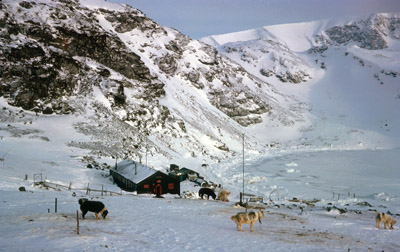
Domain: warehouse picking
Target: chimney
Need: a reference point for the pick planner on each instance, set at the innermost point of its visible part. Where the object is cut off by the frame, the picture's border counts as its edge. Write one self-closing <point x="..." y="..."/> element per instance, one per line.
<point x="135" y="168"/>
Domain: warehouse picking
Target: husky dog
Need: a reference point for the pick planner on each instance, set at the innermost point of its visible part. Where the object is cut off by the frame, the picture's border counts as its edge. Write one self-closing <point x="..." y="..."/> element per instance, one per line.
<point x="93" y="206"/>
<point x="223" y="195"/>
<point x="386" y="219"/>
<point x="247" y="218"/>
<point x="207" y="191"/>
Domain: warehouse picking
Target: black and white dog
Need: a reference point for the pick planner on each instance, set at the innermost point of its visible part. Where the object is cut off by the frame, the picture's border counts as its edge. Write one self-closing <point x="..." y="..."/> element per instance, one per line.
<point x="93" y="206"/>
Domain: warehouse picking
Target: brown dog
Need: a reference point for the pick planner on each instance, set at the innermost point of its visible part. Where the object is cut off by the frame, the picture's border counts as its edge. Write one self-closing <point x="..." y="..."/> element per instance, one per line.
<point x="223" y="195"/>
<point x="386" y="219"/>
<point x="247" y="218"/>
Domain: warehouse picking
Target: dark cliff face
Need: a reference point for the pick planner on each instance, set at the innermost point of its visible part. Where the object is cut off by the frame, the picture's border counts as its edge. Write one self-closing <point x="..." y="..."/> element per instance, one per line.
<point x="372" y="33"/>
<point x="49" y="52"/>
<point x="44" y="61"/>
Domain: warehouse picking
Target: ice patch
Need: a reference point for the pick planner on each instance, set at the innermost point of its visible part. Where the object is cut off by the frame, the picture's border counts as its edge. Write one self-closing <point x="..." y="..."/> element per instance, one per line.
<point x="292" y="170"/>
<point x="343" y="224"/>
<point x="257" y="179"/>
<point x="291" y="164"/>
<point x="333" y="212"/>
<point x="383" y="196"/>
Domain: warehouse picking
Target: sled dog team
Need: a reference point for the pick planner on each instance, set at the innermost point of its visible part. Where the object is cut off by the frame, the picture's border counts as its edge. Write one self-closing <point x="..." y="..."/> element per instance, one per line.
<point x="240" y="218"/>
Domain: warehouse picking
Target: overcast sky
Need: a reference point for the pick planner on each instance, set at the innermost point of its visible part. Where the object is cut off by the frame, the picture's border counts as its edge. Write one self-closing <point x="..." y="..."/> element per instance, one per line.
<point x="200" y="18"/>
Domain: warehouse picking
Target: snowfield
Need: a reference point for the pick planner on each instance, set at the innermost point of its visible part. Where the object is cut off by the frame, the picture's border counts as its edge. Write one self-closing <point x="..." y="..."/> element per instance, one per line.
<point x="144" y="223"/>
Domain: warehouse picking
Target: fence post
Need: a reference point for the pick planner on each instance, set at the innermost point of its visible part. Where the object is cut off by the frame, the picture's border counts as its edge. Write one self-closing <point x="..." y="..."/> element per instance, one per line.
<point x="77" y="222"/>
<point x="102" y="190"/>
<point x="55" y="206"/>
<point x="87" y="189"/>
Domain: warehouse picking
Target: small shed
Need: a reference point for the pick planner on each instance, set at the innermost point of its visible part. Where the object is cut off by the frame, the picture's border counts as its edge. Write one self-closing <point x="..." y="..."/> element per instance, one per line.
<point x="183" y="173"/>
<point x="132" y="176"/>
<point x="191" y="175"/>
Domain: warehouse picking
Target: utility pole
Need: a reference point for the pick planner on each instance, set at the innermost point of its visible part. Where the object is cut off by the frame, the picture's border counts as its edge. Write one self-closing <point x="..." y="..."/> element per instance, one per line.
<point x="146" y="148"/>
<point x="243" y="166"/>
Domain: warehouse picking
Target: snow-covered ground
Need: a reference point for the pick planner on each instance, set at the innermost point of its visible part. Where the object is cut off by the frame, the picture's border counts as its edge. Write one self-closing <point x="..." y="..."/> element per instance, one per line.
<point x="140" y="223"/>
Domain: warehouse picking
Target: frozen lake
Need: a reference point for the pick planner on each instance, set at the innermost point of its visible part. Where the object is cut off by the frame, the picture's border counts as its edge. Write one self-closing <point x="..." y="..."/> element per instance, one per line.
<point x="370" y="175"/>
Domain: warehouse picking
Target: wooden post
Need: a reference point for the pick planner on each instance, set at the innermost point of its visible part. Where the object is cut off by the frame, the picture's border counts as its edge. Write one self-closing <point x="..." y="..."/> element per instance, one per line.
<point x="87" y="189"/>
<point x="101" y="190"/>
<point x="55" y="206"/>
<point x="77" y="221"/>
<point x="354" y="195"/>
<point x="69" y="188"/>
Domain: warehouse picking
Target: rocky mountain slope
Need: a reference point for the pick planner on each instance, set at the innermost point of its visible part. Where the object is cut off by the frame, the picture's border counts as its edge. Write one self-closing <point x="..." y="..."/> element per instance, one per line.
<point x="131" y="87"/>
<point x="131" y="81"/>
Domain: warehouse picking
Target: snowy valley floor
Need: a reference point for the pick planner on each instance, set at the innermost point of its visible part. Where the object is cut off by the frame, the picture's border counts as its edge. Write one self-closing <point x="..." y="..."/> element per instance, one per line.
<point x="144" y="223"/>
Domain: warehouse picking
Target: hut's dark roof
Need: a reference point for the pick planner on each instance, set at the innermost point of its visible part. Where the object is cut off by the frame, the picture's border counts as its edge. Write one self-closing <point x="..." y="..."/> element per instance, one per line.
<point x="187" y="170"/>
<point x="126" y="168"/>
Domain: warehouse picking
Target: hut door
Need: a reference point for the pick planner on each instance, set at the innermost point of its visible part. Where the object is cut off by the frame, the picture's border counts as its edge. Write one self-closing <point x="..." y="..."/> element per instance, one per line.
<point x="158" y="190"/>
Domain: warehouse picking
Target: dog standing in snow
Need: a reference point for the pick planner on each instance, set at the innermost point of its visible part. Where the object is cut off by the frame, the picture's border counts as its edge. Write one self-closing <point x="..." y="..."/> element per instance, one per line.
<point x="386" y="219"/>
<point x="207" y="191"/>
<point x="93" y="206"/>
<point x="247" y="218"/>
<point x="223" y="195"/>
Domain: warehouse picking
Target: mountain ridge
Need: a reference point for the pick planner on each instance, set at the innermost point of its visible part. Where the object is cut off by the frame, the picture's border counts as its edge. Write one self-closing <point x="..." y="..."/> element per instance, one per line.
<point x="137" y="88"/>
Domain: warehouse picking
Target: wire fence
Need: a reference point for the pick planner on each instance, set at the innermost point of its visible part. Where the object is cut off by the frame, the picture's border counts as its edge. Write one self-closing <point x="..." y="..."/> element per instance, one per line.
<point x="38" y="181"/>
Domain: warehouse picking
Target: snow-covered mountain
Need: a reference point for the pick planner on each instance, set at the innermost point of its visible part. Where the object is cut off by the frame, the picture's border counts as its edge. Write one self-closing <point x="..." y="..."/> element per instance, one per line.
<point x="346" y="73"/>
<point x="133" y="84"/>
<point x="118" y="84"/>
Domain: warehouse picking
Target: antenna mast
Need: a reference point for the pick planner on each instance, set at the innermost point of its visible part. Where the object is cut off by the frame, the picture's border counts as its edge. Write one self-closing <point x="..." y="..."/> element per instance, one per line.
<point x="243" y="165"/>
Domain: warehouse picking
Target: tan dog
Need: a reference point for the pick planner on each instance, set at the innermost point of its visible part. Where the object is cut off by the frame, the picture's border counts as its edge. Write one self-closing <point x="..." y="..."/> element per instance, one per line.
<point x="223" y="195"/>
<point x="386" y="219"/>
<point x="247" y="218"/>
